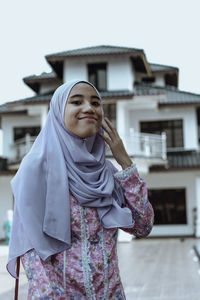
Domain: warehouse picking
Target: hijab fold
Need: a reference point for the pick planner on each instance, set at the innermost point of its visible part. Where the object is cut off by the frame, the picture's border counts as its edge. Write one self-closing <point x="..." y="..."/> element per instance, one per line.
<point x="60" y="163"/>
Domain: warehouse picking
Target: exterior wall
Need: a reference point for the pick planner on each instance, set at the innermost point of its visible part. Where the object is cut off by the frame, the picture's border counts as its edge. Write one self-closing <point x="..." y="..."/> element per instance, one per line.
<point x="74" y="69"/>
<point x="180" y="179"/>
<point x="8" y="123"/>
<point x="129" y="116"/>
<point x="6" y="201"/>
<point x="1" y="143"/>
<point x="160" y="80"/>
<point x="116" y="66"/>
<point x="48" y="87"/>
<point x="128" y="110"/>
<point x="198" y="206"/>
<point x="120" y="74"/>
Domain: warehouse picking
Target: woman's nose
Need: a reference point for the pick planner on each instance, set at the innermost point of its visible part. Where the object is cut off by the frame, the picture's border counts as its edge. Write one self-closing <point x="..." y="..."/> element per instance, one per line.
<point x="87" y="107"/>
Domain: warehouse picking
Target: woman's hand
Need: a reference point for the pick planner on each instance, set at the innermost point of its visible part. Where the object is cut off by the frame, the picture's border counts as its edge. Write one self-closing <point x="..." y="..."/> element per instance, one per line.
<point x="116" y="145"/>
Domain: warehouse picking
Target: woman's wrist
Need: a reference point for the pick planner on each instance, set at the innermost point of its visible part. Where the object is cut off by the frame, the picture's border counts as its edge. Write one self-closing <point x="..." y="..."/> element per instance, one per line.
<point x="126" y="163"/>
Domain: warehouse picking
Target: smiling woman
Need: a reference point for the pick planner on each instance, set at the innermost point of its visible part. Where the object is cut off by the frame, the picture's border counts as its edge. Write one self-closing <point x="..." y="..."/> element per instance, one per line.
<point x="83" y="112"/>
<point x="70" y="202"/>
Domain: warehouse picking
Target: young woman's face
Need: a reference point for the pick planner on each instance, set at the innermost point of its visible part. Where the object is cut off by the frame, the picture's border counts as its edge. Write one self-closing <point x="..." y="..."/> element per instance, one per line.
<point x="83" y="111"/>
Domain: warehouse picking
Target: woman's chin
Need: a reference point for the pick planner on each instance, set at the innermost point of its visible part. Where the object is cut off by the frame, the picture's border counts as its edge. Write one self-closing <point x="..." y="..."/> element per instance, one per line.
<point x="88" y="134"/>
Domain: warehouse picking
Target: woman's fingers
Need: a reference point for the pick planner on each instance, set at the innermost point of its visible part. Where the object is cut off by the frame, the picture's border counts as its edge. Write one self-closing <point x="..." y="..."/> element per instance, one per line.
<point x="106" y="139"/>
<point x="108" y="123"/>
<point x="108" y="127"/>
<point x="116" y="144"/>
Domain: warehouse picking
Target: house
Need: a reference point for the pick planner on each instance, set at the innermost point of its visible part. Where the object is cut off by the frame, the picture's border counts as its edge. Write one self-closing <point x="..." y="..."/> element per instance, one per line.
<point x="159" y="124"/>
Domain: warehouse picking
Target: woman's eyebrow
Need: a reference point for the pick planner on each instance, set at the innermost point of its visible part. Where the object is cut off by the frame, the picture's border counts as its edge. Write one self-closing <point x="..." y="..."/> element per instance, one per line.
<point x="76" y="95"/>
<point x="95" y="97"/>
<point x="81" y="96"/>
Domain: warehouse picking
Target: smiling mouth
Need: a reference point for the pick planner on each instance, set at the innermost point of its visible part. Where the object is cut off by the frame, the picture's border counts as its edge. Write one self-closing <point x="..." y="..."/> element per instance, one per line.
<point x="88" y="118"/>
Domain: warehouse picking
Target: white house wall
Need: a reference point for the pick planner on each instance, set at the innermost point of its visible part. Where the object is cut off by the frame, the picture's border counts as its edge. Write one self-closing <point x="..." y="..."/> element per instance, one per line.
<point x="120" y="75"/>
<point x="48" y="87"/>
<point x="6" y="201"/>
<point x="8" y="123"/>
<point x="128" y="117"/>
<point x="74" y="69"/>
<point x="172" y="180"/>
<point x="159" y="78"/>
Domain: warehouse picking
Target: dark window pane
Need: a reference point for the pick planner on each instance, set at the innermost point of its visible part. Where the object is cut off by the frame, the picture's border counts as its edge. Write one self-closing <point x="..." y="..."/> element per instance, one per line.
<point x="148" y="79"/>
<point x="97" y="75"/>
<point x="198" y="122"/>
<point x="21" y="132"/>
<point x="110" y="111"/>
<point x="101" y="80"/>
<point x="172" y="128"/>
<point x="169" y="206"/>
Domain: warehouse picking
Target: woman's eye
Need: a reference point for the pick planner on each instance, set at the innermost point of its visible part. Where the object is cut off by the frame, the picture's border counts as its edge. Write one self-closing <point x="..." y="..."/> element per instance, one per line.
<point x="76" y="102"/>
<point x="95" y="103"/>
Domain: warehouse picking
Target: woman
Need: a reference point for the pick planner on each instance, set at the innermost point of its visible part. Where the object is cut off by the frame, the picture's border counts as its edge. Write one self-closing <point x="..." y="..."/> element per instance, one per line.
<point x="70" y="201"/>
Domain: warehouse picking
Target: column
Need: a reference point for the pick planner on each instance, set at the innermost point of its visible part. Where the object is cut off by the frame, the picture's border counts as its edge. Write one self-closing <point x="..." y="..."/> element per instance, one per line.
<point x="197" y="233"/>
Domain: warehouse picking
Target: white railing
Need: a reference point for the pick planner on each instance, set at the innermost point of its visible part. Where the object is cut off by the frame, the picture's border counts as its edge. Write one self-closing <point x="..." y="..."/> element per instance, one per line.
<point x="21" y="147"/>
<point x="137" y="145"/>
<point x="144" y="145"/>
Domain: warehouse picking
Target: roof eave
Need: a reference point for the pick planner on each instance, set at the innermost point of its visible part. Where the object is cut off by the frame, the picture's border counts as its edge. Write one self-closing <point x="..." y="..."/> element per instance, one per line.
<point x="56" y="61"/>
<point x="195" y="103"/>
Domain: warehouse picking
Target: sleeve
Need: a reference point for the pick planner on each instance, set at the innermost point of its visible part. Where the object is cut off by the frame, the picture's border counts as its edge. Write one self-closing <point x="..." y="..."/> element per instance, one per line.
<point x="41" y="276"/>
<point x="135" y="192"/>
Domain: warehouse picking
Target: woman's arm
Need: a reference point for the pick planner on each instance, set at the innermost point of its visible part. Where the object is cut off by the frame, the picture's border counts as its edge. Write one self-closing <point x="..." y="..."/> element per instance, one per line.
<point x="135" y="189"/>
<point x="135" y="192"/>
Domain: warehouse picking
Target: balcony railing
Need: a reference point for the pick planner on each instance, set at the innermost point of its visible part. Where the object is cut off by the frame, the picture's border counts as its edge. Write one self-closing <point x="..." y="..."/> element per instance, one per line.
<point x="144" y="145"/>
<point x="136" y="144"/>
<point x="21" y="147"/>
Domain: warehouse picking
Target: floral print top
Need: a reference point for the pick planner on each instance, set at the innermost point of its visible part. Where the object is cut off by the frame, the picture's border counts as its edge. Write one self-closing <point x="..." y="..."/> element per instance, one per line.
<point x="89" y="269"/>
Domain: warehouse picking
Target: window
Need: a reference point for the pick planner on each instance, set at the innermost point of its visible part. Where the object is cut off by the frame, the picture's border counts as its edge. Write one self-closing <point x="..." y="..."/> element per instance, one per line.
<point x="149" y="79"/>
<point x="198" y="122"/>
<point x="169" y="206"/>
<point x="20" y="132"/>
<point x="110" y="111"/>
<point x="173" y="130"/>
<point x="97" y="75"/>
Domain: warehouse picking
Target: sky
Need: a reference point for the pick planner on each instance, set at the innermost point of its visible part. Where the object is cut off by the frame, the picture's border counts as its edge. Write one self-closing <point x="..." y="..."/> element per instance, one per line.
<point x="167" y="31"/>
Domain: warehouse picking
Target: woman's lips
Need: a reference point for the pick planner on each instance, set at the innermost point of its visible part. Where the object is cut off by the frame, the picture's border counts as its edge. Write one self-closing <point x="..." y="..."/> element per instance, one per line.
<point x="88" y="118"/>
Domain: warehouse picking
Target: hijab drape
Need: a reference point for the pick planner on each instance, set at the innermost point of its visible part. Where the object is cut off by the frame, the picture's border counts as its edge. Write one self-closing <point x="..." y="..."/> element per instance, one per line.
<point x="59" y="163"/>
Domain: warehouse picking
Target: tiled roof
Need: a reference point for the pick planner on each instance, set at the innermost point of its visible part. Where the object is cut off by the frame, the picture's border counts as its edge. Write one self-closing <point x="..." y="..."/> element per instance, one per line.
<point x="96" y="50"/>
<point x="34" y="81"/>
<point x="137" y="56"/>
<point x="160" y="68"/>
<point x="184" y="159"/>
<point x="47" y="97"/>
<point x="44" y="75"/>
<point x="180" y="160"/>
<point x="122" y="93"/>
<point x="30" y="100"/>
<point x="174" y="95"/>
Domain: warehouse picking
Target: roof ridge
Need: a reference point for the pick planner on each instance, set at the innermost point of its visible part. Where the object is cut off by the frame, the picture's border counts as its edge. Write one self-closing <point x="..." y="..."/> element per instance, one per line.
<point x="168" y="88"/>
<point x="93" y="47"/>
<point x="43" y="73"/>
<point x="161" y="65"/>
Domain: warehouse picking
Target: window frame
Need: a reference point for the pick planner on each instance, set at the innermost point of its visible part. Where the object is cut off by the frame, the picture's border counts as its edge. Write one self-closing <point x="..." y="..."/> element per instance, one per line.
<point x="26" y="129"/>
<point x="97" y="66"/>
<point x="171" y="194"/>
<point x="172" y="127"/>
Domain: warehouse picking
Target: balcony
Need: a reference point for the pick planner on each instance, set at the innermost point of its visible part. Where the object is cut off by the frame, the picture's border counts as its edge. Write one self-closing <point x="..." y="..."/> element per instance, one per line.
<point x="148" y="148"/>
<point x="20" y="148"/>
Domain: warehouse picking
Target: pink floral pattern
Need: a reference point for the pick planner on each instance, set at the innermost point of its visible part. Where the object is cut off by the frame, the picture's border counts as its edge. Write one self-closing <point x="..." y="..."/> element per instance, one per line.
<point x="89" y="269"/>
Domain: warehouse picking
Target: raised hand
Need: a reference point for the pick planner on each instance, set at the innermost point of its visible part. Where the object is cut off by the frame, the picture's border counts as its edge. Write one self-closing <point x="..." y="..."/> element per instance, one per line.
<point x="116" y="145"/>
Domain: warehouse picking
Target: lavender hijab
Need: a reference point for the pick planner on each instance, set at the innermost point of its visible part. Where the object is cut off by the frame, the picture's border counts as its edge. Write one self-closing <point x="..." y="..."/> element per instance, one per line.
<point x="59" y="163"/>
